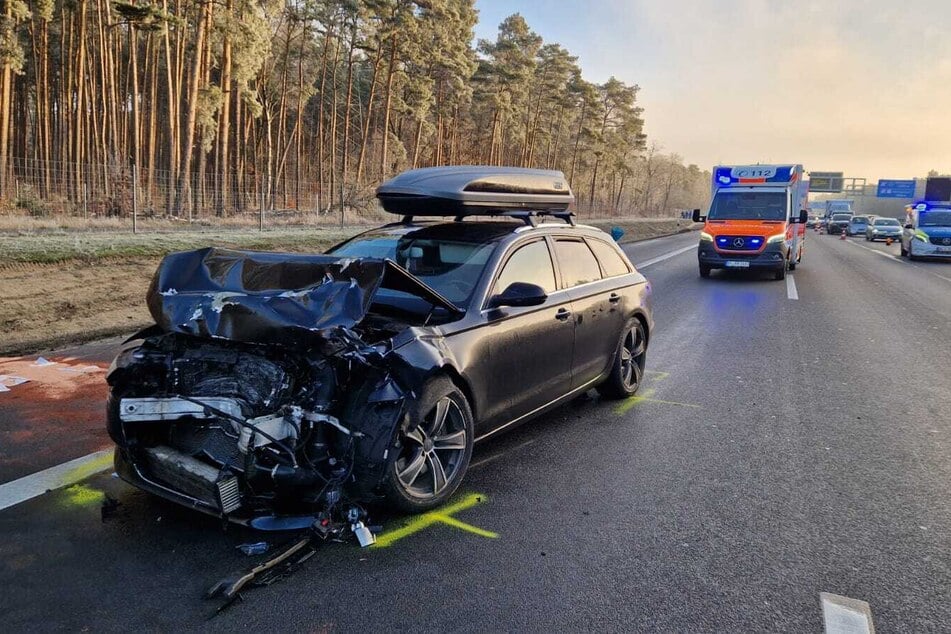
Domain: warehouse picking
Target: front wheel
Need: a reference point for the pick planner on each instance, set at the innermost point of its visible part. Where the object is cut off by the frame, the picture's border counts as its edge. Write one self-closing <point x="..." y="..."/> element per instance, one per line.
<point x="627" y="372"/>
<point x="704" y="271"/>
<point x="434" y="449"/>
<point x="780" y="274"/>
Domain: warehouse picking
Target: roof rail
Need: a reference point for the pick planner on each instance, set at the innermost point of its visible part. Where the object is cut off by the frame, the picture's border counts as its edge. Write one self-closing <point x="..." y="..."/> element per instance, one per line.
<point x="528" y="217"/>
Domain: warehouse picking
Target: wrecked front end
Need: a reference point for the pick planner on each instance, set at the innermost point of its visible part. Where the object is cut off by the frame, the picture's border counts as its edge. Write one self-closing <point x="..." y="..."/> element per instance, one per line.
<point x="265" y="393"/>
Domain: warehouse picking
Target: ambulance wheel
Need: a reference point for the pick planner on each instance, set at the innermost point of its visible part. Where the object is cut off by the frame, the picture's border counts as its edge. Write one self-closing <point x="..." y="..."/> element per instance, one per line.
<point x="780" y="274"/>
<point x="704" y="271"/>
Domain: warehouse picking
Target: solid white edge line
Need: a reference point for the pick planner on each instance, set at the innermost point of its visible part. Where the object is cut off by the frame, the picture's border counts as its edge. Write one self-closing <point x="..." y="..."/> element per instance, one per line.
<point x="899" y="259"/>
<point x="666" y="256"/>
<point x="33" y="485"/>
<point x="791" y="291"/>
<point x="844" y="615"/>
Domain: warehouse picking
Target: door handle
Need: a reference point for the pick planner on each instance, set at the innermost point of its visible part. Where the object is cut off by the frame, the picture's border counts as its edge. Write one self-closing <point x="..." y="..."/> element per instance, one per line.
<point x="614" y="298"/>
<point x="563" y="314"/>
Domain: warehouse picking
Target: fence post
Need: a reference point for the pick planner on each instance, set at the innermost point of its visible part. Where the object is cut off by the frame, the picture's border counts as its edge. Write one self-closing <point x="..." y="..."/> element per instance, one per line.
<point x="135" y="197"/>
<point x="261" y="216"/>
<point x="85" y="203"/>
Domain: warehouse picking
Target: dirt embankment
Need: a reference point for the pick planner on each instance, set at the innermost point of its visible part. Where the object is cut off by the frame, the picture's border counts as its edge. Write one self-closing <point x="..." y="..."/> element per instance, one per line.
<point x="92" y="290"/>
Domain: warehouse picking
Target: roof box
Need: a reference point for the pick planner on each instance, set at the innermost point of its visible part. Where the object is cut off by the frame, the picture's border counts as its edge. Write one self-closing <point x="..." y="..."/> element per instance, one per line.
<point x="474" y="190"/>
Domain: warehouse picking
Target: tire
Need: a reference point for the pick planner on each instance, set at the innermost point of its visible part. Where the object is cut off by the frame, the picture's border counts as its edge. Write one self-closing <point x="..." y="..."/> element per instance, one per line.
<point x="428" y="447"/>
<point x="781" y="273"/>
<point x="627" y="370"/>
<point x="704" y="271"/>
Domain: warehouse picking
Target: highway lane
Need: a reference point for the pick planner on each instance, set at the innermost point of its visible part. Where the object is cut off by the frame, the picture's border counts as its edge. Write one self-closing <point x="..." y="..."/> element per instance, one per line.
<point x="781" y="448"/>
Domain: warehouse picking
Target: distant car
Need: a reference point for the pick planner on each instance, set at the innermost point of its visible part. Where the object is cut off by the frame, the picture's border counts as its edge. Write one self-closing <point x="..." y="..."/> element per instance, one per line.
<point x="812" y="222"/>
<point x="857" y="225"/>
<point x="882" y="229"/>
<point x="838" y="223"/>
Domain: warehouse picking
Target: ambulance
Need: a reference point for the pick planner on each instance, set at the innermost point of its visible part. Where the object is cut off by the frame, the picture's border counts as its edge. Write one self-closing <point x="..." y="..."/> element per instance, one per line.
<point x="756" y="221"/>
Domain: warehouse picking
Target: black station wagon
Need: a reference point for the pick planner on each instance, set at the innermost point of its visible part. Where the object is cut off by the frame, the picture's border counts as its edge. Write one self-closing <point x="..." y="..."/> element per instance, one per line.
<point x="274" y="388"/>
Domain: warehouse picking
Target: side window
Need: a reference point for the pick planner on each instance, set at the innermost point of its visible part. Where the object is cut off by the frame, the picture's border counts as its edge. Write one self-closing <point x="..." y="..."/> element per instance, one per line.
<point x="611" y="263"/>
<point x="530" y="263"/>
<point x="578" y="264"/>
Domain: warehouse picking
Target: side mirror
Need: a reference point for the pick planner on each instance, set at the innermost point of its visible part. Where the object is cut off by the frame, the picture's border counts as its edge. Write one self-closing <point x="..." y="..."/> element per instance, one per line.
<point x="803" y="217"/>
<point x="697" y="217"/>
<point x="519" y="294"/>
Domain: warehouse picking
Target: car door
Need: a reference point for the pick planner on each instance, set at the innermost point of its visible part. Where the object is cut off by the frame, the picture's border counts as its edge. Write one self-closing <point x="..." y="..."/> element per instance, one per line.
<point x="598" y="321"/>
<point x="528" y="350"/>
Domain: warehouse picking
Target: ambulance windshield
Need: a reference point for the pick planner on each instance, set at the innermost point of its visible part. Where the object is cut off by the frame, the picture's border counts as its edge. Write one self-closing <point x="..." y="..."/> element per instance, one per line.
<point x="748" y="206"/>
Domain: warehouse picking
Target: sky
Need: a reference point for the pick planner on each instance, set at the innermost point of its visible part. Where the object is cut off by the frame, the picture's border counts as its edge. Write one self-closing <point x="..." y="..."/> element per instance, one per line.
<point x="860" y="87"/>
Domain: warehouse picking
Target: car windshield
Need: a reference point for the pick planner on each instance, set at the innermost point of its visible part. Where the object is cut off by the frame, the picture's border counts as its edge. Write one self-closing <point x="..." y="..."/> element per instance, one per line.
<point x="841" y="217"/>
<point x="935" y="218"/>
<point x="450" y="266"/>
<point x="887" y="222"/>
<point x="748" y="206"/>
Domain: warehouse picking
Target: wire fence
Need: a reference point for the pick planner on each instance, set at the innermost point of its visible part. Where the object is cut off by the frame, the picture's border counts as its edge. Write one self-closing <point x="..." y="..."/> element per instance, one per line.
<point x="120" y="194"/>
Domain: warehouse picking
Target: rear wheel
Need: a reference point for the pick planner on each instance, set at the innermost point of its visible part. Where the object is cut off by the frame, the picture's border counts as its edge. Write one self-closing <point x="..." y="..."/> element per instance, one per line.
<point x="435" y="446"/>
<point x="627" y="372"/>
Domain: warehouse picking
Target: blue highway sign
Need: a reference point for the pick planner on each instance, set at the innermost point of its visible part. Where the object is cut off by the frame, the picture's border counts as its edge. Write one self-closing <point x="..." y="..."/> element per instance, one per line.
<point x="896" y="189"/>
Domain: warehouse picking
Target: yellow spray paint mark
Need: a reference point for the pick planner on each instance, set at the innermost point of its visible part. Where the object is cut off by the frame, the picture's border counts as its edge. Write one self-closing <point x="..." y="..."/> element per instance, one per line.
<point x="628" y="404"/>
<point x="81" y="495"/>
<point x="87" y="469"/>
<point x="657" y="376"/>
<point x="442" y="516"/>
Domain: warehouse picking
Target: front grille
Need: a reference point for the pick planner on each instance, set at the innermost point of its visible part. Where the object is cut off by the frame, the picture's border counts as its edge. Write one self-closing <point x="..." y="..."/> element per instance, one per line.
<point x="944" y="242"/>
<point x="740" y="243"/>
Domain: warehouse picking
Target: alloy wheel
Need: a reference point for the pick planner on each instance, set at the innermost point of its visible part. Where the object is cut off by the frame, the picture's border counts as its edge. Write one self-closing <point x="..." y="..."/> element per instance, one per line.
<point x="633" y="356"/>
<point x="433" y="453"/>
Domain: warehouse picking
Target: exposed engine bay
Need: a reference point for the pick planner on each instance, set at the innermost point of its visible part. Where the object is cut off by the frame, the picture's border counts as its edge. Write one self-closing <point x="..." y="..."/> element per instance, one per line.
<point x="267" y="392"/>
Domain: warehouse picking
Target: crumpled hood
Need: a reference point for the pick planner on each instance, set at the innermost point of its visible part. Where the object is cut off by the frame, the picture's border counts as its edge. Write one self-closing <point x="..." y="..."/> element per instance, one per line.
<point x="271" y="298"/>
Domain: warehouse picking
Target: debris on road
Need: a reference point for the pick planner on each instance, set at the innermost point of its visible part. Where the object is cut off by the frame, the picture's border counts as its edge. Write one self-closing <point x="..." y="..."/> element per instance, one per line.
<point x="256" y="548"/>
<point x="7" y="381"/>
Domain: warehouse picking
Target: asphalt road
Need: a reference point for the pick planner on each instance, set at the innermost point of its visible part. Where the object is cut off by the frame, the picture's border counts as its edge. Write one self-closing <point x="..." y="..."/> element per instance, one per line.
<point x="780" y="448"/>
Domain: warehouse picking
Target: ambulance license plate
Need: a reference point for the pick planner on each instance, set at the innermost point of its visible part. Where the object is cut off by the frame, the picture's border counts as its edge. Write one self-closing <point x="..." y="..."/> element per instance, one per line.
<point x="944" y="249"/>
<point x="737" y="264"/>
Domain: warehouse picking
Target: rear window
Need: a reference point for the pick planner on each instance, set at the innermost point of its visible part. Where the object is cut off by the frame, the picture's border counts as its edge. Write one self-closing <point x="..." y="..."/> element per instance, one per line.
<point x="887" y="222"/>
<point x="611" y="263"/>
<point x="578" y="264"/>
<point x="838" y="217"/>
<point x="860" y="220"/>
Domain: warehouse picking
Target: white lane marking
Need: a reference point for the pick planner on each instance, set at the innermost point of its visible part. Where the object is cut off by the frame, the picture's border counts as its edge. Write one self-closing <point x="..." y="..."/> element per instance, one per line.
<point x="791" y="291"/>
<point x="666" y="256"/>
<point x="843" y="615"/>
<point x="899" y="259"/>
<point x="881" y="253"/>
<point x="29" y="487"/>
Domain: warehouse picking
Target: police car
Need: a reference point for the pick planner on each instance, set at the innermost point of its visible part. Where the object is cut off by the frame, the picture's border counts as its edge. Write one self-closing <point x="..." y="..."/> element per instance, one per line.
<point x="927" y="230"/>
